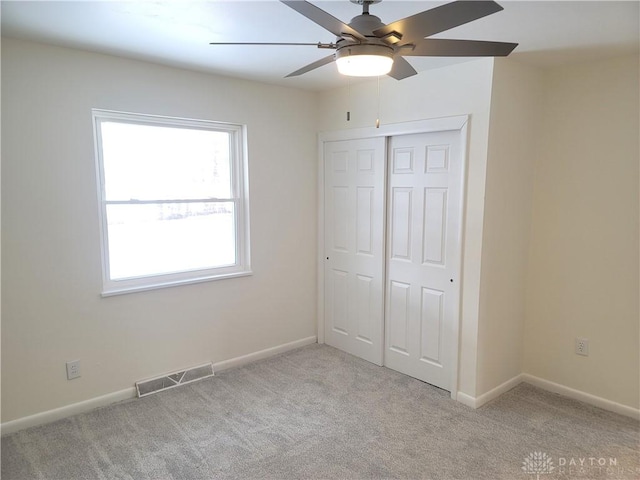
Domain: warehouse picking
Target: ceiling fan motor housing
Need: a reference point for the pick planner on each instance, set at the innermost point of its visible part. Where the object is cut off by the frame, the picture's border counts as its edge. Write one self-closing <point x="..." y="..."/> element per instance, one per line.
<point x="373" y="45"/>
<point x="380" y="50"/>
<point x="366" y="24"/>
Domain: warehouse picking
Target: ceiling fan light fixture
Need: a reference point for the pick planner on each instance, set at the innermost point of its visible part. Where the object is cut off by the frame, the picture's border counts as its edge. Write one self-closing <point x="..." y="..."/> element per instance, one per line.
<point x="364" y="60"/>
<point x="364" y="65"/>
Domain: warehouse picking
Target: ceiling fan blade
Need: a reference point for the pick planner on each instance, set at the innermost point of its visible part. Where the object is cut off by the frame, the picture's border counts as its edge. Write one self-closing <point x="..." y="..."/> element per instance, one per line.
<point x="322" y="18"/>
<point x="440" y="47"/>
<point x="317" y="44"/>
<point x="401" y="69"/>
<point x="438" y="19"/>
<point x="312" y="66"/>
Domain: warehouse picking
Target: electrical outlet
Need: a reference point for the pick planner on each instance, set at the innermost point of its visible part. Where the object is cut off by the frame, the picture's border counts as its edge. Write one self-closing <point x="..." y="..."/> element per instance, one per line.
<point x="582" y="346"/>
<point x="73" y="369"/>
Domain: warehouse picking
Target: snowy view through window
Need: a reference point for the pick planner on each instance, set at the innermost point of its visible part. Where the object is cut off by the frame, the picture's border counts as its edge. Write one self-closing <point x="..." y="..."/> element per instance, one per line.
<point x="169" y="199"/>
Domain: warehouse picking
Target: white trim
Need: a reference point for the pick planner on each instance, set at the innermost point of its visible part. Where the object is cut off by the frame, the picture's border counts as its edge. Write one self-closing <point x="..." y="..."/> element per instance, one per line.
<point x="174" y="283"/>
<point x="403" y="128"/>
<point x="582" y="396"/>
<point x="462" y="215"/>
<point x="128" y="393"/>
<point x="609" y="405"/>
<point x="267" y="352"/>
<point x="320" y="252"/>
<point x="467" y="400"/>
<point x="239" y="198"/>
<point x="497" y="391"/>
<point x="67" y="411"/>
<point x="477" y="402"/>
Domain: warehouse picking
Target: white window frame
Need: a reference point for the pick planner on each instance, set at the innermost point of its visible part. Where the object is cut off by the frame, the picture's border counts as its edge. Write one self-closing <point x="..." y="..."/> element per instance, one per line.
<point x="239" y="197"/>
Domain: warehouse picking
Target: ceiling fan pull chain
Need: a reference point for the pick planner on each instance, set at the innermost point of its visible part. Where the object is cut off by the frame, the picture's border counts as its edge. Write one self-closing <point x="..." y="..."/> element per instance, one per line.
<point x="378" y="114"/>
<point x="349" y="101"/>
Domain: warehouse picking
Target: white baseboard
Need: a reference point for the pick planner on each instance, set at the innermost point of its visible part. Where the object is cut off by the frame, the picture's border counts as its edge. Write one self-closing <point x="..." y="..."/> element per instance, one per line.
<point x="477" y="402"/>
<point x="67" y="411"/>
<point x="499" y="390"/>
<point x="582" y="396"/>
<point x="267" y="352"/>
<point x="467" y="400"/>
<point x="104" y="400"/>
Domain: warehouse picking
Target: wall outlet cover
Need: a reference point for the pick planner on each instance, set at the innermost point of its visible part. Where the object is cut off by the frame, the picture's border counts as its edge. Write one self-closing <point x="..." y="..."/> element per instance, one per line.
<point x="73" y="369"/>
<point x="582" y="346"/>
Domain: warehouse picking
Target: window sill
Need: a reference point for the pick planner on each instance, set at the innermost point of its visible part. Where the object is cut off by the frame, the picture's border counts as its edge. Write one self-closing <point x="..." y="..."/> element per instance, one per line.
<point x="173" y="283"/>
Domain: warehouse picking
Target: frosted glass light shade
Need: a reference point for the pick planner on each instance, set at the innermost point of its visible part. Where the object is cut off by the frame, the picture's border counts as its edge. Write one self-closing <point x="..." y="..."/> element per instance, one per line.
<point x="364" y="65"/>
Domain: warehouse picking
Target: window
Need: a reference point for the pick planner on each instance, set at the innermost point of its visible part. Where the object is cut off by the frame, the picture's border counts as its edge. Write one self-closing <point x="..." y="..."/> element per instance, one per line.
<point x="173" y="200"/>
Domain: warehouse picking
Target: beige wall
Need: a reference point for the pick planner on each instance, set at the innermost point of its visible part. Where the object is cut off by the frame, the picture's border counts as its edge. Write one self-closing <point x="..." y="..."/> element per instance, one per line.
<point x="513" y="140"/>
<point x="456" y="90"/>
<point x="583" y="273"/>
<point x="52" y="311"/>
<point x="578" y="125"/>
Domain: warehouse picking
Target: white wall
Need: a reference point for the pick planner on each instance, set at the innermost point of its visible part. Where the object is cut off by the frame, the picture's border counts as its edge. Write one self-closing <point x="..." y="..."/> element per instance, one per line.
<point x="456" y="90"/>
<point x="513" y="141"/>
<point x="583" y="273"/>
<point x="52" y="311"/>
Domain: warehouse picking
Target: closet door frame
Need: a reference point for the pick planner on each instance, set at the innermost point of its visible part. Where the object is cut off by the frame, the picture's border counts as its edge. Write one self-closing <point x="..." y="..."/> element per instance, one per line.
<point x="459" y="123"/>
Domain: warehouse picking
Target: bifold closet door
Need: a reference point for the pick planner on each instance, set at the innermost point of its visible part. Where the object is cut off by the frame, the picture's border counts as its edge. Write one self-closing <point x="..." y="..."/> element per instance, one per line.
<point x="354" y="193"/>
<point x="423" y="251"/>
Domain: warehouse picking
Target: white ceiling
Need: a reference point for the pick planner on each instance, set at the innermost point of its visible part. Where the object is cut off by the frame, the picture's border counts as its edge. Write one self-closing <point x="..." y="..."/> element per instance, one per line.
<point x="178" y="32"/>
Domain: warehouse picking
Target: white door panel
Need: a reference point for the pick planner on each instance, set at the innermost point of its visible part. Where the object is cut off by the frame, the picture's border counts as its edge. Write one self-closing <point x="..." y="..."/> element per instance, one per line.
<point x="422" y="293"/>
<point x="354" y="242"/>
<point x="397" y="307"/>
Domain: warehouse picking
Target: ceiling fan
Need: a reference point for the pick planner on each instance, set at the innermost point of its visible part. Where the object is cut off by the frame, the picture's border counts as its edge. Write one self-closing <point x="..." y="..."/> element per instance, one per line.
<point x="367" y="47"/>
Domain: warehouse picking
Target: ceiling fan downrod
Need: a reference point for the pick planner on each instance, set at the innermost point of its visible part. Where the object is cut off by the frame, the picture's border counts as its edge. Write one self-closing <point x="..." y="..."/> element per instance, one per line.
<point x="365" y="4"/>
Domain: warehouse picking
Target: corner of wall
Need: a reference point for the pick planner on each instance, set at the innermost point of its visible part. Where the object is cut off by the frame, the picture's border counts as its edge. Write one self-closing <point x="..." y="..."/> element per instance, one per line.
<point x="507" y="222"/>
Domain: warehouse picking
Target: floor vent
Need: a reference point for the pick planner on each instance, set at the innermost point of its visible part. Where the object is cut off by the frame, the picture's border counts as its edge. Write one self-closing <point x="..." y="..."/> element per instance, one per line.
<point x="172" y="380"/>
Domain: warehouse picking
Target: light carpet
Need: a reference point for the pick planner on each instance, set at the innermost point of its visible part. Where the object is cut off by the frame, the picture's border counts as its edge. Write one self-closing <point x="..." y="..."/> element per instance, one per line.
<point x="318" y="413"/>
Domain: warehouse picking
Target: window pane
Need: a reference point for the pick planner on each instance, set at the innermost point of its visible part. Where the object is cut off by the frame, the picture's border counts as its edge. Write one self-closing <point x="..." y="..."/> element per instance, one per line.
<point x="171" y="237"/>
<point x="144" y="162"/>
